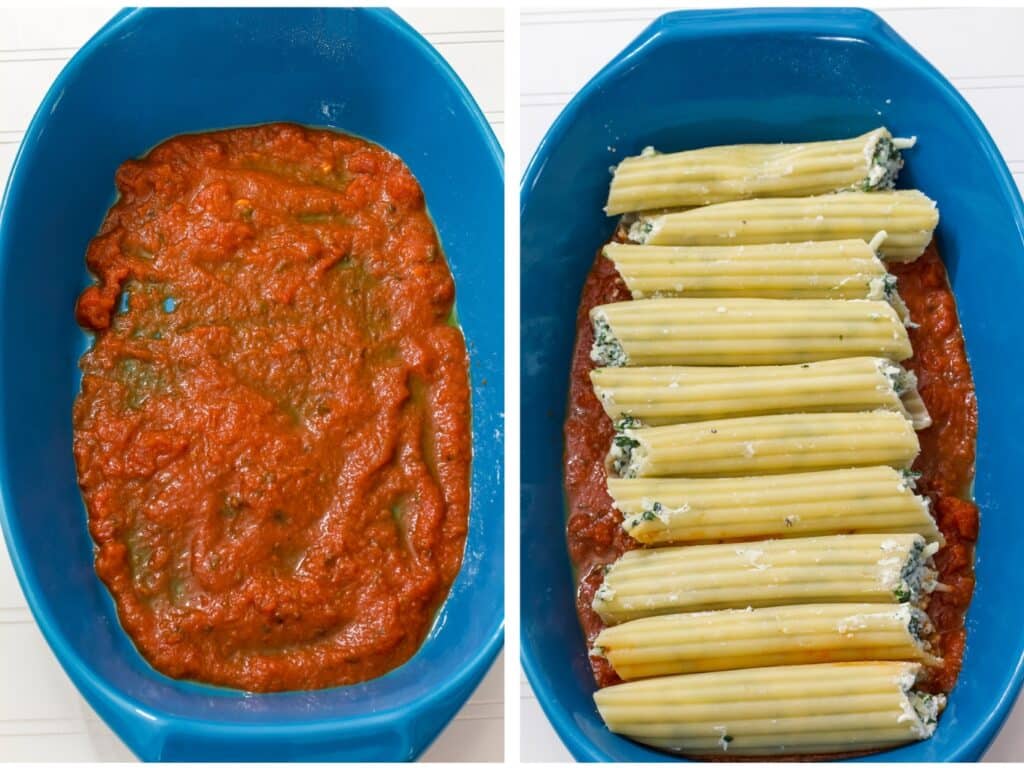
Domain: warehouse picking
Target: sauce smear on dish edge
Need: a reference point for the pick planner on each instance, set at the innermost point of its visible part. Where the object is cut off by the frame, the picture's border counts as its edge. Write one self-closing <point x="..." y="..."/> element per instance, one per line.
<point x="946" y="461"/>
<point x="272" y="435"/>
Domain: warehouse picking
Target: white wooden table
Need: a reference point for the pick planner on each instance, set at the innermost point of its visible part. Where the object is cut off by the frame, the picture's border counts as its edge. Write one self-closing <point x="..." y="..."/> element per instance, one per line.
<point x="42" y="716"/>
<point x="978" y="49"/>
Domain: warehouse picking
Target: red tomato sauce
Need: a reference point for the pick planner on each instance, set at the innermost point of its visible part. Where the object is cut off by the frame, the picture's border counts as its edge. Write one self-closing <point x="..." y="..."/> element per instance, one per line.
<point x="272" y="435"/>
<point x="946" y="461"/>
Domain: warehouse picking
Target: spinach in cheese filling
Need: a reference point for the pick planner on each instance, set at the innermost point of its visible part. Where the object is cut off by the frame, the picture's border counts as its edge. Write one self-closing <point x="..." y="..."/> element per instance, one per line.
<point x="886" y="161"/>
<point x="607" y="349"/>
<point x="927" y="708"/>
<point x="621" y="456"/>
<point x="918" y="577"/>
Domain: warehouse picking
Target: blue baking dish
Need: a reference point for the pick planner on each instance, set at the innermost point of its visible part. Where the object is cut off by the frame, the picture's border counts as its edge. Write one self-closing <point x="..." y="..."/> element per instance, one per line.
<point x="695" y="79"/>
<point x="146" y="76"/>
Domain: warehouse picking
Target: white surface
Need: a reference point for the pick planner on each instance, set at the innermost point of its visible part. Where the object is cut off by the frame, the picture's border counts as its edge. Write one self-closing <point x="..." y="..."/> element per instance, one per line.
<point x="978" y="49"/>
<point x="42" y="716"/>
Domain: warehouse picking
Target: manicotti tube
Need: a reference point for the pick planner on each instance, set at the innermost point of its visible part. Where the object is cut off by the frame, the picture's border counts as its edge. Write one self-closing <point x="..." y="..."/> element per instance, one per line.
<point x="744" y="331"/>
<point x="907" y="217"/>
<point x="834" y="269"/>
<point x="740" y="171"/>
<point x="706" y="641"/>
<point x="860" y="500"/>
<point x="758" y="445"/>
<point x="859" y="568"/>
<point x="791" y="710"/>
<point x="676" y="394"/>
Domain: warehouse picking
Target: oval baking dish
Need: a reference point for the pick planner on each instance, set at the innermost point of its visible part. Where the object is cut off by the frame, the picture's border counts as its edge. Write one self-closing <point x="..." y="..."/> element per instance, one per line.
<point x="146" y="76"/>
<point x="696" y="79"/>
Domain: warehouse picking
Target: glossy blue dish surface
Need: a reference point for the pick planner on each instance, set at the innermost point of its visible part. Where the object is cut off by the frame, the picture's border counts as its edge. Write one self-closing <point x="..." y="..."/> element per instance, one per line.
<point x="146" y="76"/>
<point x="695" y="79"/>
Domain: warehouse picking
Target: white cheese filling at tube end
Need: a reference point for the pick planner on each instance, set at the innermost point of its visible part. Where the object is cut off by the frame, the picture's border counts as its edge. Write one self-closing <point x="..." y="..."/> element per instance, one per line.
<point x="607" y="349"/>
<point x="884" y="161"/>
<point x="920" y="709"/>
<point x="641" y="230"/>
<point x="627" y="455"/>
<point x="653" y="511"/>
<point x="918" y="577"/>
<point x="884" y="288"/>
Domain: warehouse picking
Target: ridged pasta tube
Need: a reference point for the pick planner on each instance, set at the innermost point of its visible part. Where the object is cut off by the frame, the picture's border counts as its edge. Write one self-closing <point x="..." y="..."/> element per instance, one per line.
<point x="706" y="641"/>
<point x="834" y="269"/>
<point x="907" y="216"/>
<point x="741" y="171"/>
<point x="677" y="395"/>
<point x="762" y="445"/>
<point x="859" y="500"/>
<point x="792" y="710"/>
<point x="744" y="331"/>
<point x="861" y="568"/>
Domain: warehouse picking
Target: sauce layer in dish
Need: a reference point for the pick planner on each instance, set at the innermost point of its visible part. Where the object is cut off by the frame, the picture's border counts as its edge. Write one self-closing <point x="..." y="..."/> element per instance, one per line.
<point x="272" y="434"/>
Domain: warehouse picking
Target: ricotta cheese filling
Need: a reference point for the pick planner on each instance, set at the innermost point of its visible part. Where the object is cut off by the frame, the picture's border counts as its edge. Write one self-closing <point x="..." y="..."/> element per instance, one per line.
<point x="652" y="511"/>
<point x="926" y="708"/>
<point x="918" y="577"/>
<point x="884" y="162"/>
<point x="627" y="455"/>
<point x="883" y="288"/>
<point x="642" y="229"/>
<point x="607" y="350"/>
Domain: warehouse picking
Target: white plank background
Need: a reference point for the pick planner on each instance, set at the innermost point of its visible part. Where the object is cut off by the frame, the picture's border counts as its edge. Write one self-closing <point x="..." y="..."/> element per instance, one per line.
<point x="978" y="49"/>
<point x="42" y="716"/>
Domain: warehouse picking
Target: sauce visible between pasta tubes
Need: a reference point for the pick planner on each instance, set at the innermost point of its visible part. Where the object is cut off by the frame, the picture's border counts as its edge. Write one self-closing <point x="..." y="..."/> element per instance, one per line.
<point x="595" y="534"/>
<point x="272" y="435"/>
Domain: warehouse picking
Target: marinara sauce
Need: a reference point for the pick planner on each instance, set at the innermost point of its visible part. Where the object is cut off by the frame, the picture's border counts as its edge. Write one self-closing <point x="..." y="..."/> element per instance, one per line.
<point x="272" y="434"/>
<point x="946" y="461"/>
